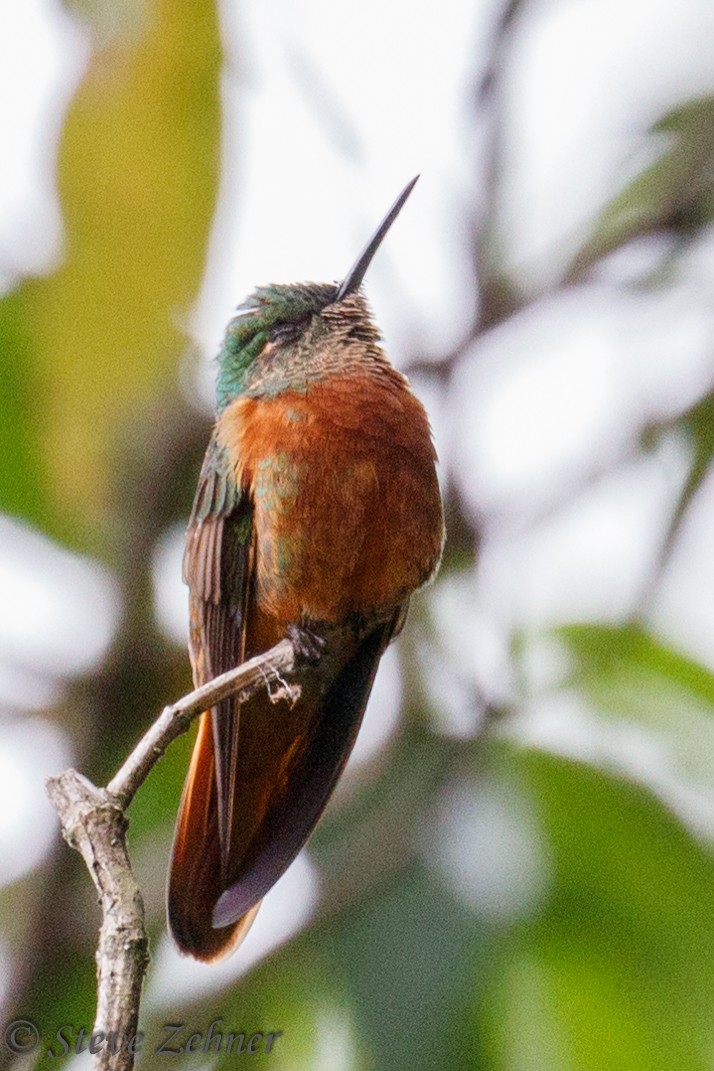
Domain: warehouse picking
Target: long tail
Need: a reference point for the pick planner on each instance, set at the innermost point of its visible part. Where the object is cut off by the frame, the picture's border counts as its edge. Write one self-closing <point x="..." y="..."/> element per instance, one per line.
<point x="288" y="762"/>
<point x="195" y="873"/>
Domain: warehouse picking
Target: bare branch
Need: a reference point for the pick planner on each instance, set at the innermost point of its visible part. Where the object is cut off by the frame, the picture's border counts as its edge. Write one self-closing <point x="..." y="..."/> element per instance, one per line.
<point x="244" y="681"/>
<point x="94" y="825"/>
<point x="94" y="822"/>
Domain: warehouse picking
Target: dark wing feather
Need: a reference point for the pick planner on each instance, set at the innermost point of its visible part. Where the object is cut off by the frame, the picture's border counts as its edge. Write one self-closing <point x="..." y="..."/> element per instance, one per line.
<point x="216" y="569"/>
<point x="298" y="761"/>
<point x="217" y="564"/>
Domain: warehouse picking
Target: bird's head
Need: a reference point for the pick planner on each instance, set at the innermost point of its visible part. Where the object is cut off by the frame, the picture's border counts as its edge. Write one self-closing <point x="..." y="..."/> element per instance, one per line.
<point x="287" y="335"/>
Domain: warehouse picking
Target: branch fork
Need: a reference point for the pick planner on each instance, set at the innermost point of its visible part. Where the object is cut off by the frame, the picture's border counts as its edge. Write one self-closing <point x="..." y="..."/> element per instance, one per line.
<point x="94" y="822"/>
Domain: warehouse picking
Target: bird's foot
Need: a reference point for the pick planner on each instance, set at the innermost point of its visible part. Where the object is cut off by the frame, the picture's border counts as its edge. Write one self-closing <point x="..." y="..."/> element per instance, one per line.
<point x="309" y="646"/>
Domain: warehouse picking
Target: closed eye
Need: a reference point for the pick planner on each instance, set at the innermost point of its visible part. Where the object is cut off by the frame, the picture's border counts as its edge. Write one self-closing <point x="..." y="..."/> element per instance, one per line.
<point x="286" y="332"/>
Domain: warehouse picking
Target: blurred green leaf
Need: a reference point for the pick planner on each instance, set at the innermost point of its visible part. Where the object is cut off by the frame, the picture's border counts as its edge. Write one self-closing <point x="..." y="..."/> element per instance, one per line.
<point x="23" y="482"/>
<point x="618" y="970"/>
<point x="606" y="656"/>
<point x="410" y="955"/>
<point x="676" y="193"/>
<point x="138" y="172"/>
<point x="697" y="423"/>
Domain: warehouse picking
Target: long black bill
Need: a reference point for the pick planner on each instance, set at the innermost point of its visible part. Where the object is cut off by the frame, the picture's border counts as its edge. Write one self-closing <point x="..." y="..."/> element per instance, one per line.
<point x="355" y="275"/>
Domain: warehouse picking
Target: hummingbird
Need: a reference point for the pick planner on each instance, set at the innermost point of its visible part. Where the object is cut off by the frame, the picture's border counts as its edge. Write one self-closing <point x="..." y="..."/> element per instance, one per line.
<point x="317" y="515"/>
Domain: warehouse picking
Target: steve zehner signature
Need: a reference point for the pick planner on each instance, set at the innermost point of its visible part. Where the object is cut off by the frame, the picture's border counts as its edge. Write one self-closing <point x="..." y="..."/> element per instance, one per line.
<point x="22" y="1036"/>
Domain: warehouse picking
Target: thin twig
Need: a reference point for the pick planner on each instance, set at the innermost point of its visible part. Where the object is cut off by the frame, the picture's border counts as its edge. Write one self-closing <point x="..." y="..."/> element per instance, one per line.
<point x="94" y="822"/>
<point x="244" y="681"/>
